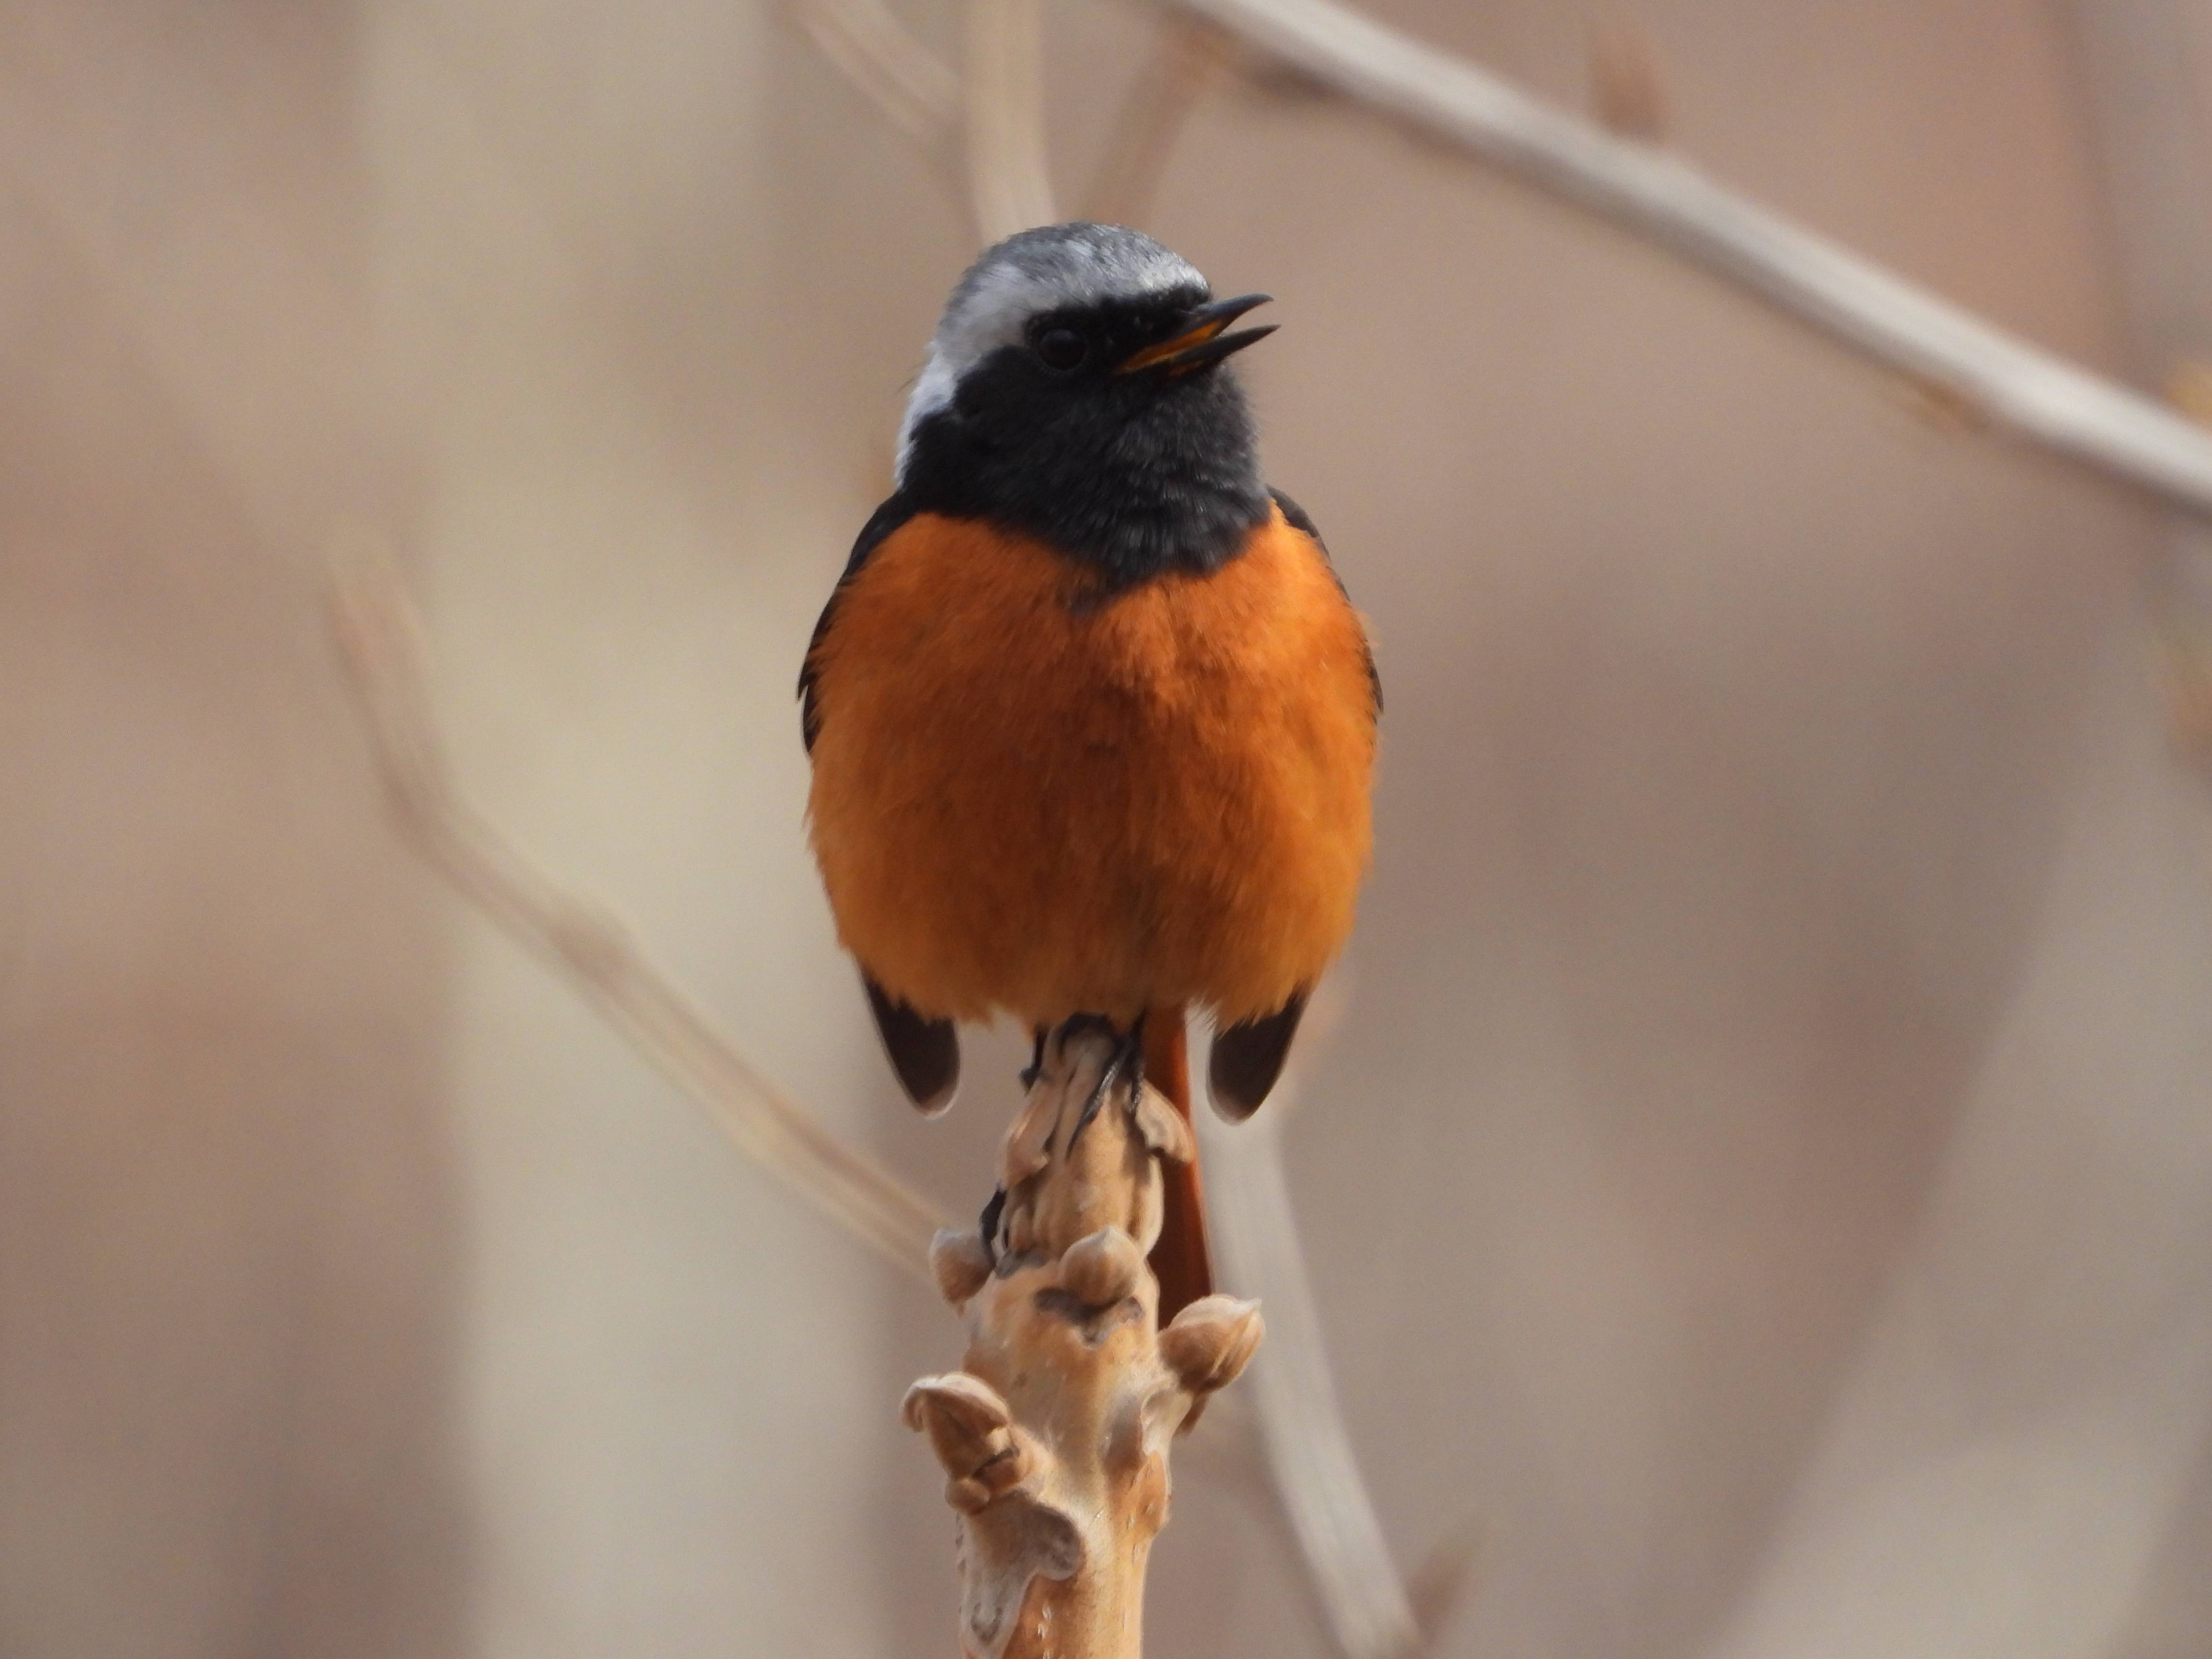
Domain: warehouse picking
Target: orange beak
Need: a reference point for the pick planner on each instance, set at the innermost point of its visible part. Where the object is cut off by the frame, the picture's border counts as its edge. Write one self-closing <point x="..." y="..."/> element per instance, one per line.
<point x="1202" y="343"/>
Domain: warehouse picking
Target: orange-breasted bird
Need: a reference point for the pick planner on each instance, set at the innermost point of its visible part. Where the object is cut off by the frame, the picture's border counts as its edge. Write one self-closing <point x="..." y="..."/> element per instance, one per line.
<point x="1092" y="718"/>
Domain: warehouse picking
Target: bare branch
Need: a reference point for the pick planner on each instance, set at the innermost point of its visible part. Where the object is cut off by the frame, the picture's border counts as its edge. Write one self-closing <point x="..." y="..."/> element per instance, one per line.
<point x="1185" y="59"/>
<point x="1301" y="1425"/>
<point x="881" y="57"/>
<point x="380" y="639"/>
<point x="2014" y="385"/>
<point x="1008" y="177"/>
<point x="996" y="103"/>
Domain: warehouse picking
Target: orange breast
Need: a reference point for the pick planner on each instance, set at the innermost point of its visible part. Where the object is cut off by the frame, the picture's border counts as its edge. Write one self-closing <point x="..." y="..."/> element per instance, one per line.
<point x="1030" y="800"/>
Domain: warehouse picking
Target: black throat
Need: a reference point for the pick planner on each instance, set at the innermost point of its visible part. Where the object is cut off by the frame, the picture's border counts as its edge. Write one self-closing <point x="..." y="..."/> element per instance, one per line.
<point x="1137" y="476"/>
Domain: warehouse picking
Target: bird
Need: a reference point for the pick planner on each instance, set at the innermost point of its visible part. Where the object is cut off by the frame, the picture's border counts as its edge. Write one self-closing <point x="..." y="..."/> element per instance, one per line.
<point x="1092" y="720"/>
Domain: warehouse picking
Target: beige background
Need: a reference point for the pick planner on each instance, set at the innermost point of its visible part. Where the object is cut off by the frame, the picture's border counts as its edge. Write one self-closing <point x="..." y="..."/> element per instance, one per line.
<point x="1762" y="1181"/>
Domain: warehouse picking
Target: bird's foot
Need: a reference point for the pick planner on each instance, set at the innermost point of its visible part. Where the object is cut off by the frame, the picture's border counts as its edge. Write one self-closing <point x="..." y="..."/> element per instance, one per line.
<point x="1126" y="1065"/>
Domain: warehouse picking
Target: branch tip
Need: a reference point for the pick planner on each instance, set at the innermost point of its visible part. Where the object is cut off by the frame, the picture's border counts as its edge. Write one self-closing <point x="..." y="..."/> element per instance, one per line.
<point x="1102" y="1269"/>
<point x="1212" y="1341"/>
<point x="959" y="1264"/>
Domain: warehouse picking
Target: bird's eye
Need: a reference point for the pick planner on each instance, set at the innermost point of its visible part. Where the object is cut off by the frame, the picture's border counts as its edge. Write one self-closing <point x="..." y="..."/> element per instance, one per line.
<point x="1060" y="349"/>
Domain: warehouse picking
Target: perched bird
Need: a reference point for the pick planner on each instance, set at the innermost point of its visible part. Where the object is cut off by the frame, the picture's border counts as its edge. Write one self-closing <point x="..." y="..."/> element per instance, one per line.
<point x="1092" y="719"/>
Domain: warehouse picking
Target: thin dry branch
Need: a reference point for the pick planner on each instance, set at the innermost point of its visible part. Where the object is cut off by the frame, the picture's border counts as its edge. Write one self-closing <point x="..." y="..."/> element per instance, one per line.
<point x="881" y="57"/>
<point x="996" y="103"/>
<point x="2014" y="385"/>
<point x="380" y="639"/>
<point x="1186" y="58"/>
<point x="1008" y="177"/>
<point x="1371" y="1614"/>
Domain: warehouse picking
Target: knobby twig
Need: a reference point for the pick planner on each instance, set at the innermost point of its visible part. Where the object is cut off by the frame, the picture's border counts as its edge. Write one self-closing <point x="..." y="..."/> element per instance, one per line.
<point x="380" y="639"/>
<point x="1055" y="1432"/>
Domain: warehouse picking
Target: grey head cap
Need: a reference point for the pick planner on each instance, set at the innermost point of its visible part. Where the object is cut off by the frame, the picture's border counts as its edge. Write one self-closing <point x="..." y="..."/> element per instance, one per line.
<point x="1052" y="268"/>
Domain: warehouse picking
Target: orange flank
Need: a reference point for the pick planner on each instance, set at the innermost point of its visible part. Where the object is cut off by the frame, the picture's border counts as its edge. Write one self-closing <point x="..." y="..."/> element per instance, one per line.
<point x="1032" y="799"/>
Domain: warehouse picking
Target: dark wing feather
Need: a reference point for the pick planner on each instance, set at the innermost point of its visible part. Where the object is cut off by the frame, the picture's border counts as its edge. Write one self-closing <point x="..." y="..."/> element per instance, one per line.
<point x="894" y="512"/>
<point x="924" y="1052"/>
<point x="1299" y="520"/>
<point x="1249" y="1057"/>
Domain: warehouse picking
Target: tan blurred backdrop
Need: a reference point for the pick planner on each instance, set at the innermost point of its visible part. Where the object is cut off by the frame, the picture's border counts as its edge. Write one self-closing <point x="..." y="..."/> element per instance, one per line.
<point x="1763" y="1181"/>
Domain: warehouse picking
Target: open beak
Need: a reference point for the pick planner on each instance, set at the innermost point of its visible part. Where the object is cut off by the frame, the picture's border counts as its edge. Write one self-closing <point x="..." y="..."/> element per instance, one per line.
<point x="1202" y="343"/>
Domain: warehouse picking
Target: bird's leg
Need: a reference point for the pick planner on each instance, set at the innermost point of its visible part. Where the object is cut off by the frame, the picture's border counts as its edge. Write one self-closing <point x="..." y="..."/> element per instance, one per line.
<point x="1126" y="1065"/>
<point x="993" y="1211"/>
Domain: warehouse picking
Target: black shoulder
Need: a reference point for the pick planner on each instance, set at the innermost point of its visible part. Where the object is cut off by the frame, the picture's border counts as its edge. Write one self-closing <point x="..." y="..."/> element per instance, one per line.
<point x="894" y="512"/>
<point x="1301" y="520"/>
<point x="1298" y="518"/>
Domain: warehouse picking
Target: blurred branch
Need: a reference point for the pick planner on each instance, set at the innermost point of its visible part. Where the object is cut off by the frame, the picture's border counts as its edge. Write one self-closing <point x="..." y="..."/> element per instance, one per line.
<point x="1999" y="377"/>
<point x="380" y="639"/>
<point x="1301" y="1425"/>
<point x="1008" y="179"/>
<point x="996" y="103"/>
<point x="1186" y="58"/>
<point x="881" y="56"/>
<point x="1316" y="1475"/>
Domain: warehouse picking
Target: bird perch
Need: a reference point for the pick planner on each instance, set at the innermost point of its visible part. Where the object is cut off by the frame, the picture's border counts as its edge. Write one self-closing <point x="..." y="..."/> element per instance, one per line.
<point x="1054" y="1433"/>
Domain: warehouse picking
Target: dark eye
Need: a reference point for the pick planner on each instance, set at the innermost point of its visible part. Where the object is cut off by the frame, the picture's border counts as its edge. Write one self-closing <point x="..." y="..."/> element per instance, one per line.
<point x="1060" y="349"/>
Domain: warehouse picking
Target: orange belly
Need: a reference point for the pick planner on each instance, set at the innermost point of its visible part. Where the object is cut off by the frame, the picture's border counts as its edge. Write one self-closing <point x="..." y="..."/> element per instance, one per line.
<point x="1031" y="800"/>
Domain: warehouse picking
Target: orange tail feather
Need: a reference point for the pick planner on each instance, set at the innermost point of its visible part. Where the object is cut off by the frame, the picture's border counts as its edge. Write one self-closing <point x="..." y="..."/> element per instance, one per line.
<point x="1180" y="1261"/>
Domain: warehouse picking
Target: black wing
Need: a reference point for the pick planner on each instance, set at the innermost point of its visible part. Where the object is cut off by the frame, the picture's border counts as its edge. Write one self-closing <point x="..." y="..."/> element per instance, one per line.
<point x="884" y="519"/>
<point x="1248" y="1057"/>
<point x="924" y="1052"/>
<point x="1298" y="518"/>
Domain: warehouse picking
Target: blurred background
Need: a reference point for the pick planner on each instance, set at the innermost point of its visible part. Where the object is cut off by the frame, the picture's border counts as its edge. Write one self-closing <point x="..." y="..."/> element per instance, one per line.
<point x="1761" y="1186"/>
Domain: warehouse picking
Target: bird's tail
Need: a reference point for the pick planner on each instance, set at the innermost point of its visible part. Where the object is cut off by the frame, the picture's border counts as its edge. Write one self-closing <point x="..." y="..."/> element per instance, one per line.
<point x="1180" y="1261"/>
